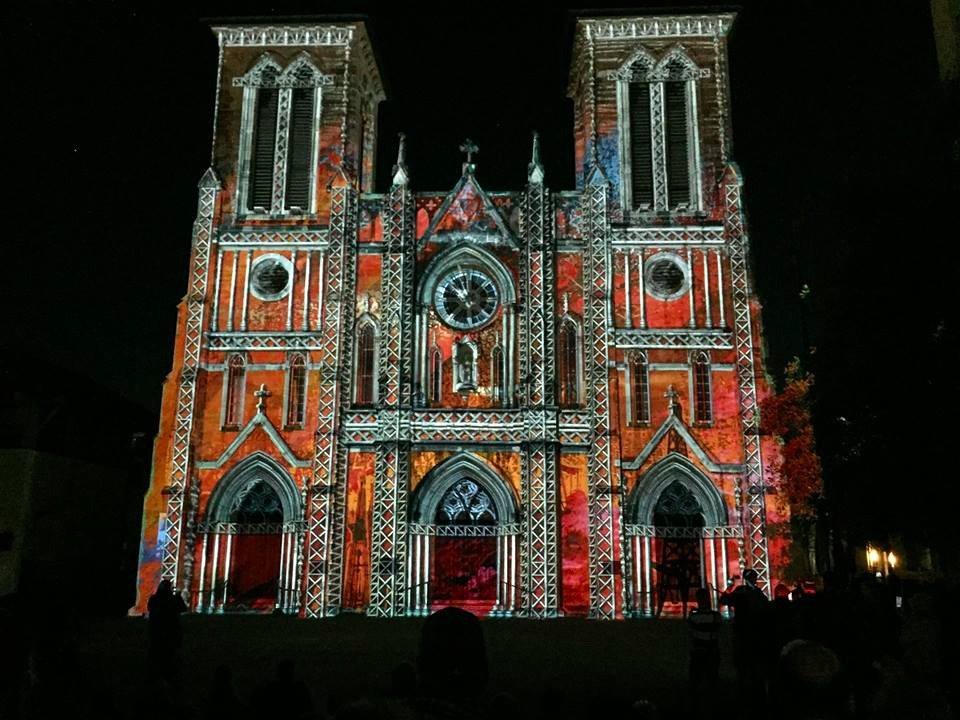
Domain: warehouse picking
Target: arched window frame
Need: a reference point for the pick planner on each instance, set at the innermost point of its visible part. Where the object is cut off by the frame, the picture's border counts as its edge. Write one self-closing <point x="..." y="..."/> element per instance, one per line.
<point x="701" y="382"/>
<point x="639" y="388"/>
<point x="300" y="75"/>
<point x="570" y="324"/>
<point x="470" y="346"/>
<point x="364" y="323"/>
<point x="497" y="389"/>
<point x="641" y="67"/>
<point x="295" y="395"/>
<point x="234" y="391"/>
<point x="436" y="376"/>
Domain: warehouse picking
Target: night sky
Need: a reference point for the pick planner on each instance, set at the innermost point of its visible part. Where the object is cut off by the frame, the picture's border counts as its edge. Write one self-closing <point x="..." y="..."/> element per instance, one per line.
<point x="838" y="125"/>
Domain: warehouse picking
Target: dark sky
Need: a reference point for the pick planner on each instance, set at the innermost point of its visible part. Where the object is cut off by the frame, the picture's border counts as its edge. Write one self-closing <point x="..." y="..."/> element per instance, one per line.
<point x="838" y="128"/>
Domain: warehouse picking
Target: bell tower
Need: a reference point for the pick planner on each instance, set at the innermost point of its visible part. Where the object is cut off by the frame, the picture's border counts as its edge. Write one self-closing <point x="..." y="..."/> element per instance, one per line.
<point x="681" y="323"/>
<point x="269" y="305"/>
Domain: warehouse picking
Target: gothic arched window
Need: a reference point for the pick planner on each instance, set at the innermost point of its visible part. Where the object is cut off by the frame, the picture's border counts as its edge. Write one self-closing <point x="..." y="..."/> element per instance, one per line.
<point x="496" y="374"/>
<point x="466" y="503"/>
<point x="659" y="146"/>
<point x="641" y="153"/>
<point x="234" y="388"/>
<point x="280" y="124"/>
<point x="436" y="376"/>
<point x="296" y="390"/>
<point x="703" y="401"/>
<point x="256" y="503"/>
<point x="676" y="132"/>
<point x="568" y="363"/>
<point x="464" y="366"/>
<point x="260" y="193"/>
<point x="640" y="390"/>
<point x="365" y="392"/>
<point x="677" y="506"/>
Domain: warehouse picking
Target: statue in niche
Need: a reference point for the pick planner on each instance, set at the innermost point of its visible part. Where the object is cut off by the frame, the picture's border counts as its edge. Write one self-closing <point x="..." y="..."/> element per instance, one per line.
<point x="465" y="365"/>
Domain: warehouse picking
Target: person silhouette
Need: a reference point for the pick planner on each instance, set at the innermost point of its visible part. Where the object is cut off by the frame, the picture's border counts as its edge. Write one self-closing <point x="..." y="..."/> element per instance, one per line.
<point x="703" y="624"/>
<point x="163" y="617"/>
<point x="750" y="636"/>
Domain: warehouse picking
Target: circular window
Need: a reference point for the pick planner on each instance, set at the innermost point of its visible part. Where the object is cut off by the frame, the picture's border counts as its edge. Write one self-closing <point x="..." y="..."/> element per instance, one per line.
<point x="666" y="276"/>
<point x="270" y="277"/>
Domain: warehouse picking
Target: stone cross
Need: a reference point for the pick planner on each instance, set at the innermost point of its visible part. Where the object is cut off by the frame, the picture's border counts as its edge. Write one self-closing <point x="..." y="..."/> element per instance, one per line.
<point x="469" y="147"/>
<point x="262" y="394"/>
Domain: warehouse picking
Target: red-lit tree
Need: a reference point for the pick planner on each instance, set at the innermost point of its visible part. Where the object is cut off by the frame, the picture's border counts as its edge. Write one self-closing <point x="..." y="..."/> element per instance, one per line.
<point x="787" y="416"/>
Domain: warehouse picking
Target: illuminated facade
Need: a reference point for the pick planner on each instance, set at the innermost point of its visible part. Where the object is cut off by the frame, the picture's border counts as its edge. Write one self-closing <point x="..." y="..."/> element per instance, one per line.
<point x="525" y="403"/>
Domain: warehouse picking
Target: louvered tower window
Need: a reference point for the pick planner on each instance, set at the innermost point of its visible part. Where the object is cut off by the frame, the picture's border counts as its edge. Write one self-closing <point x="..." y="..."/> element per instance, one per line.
<point x="703" y="407"/>
<point x="296" y="391"/>
<point x="262" y="150"/>
<point x="641" y="161"/>
<point x="567" y="365"/>
<point x="677" y="143"/>
<point x="300" y="149"/>
<point x="640" y="390"/>
<point x="366" y="372"/>
<point x="233" y="411"/>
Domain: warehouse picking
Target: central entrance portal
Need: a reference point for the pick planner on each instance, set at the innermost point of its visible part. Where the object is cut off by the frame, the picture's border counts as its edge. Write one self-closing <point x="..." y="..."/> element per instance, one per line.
<point x="463" y="540"/>
<point x="465" y="561"/>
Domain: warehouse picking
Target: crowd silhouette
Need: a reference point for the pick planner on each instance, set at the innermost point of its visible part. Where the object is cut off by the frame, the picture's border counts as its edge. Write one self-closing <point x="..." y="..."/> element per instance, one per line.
<point x="849" y="650"/>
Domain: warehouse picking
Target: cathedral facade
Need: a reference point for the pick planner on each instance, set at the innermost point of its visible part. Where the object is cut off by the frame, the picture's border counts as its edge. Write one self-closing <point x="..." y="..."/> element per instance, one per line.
<point x="525" y="403"/>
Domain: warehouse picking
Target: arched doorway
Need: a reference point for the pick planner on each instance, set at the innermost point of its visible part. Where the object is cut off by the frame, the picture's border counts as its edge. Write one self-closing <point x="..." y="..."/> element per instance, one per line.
<point x="250" y="541"/>
<point x="678" y="522"/>
<point x="463" y="544"/>
<point x="676" y="537"/>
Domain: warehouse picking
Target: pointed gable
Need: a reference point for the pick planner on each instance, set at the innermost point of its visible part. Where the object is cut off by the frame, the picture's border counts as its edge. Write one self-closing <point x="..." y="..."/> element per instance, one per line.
<point x="679" y="440"/>
<point x="467" y="213"/>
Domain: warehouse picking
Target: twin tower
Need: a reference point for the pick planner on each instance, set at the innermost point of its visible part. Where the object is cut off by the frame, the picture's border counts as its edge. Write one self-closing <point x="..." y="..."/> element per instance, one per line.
<point x="525" y="403"/>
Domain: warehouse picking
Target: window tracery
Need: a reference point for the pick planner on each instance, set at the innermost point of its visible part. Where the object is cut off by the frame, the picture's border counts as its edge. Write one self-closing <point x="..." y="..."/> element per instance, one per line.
<point x="466" y="503"/>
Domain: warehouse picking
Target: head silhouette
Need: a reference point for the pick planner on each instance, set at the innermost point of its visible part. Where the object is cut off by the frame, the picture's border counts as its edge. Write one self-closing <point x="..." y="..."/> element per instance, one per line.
<point x="703" y="599"/>
<point x="750" y="577"/>
<point x="452" y="661"/>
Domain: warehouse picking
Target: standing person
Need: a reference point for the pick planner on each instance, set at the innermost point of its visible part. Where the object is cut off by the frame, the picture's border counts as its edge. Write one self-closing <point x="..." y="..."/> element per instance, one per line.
<point x="704" y="626"/>
<point x="163" y="615"/>
<point x="750" y="636"/>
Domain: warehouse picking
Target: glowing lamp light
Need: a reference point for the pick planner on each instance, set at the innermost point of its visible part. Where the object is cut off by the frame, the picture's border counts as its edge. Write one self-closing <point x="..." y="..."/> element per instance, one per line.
<point x="891" y="560"/>
<point x="873" y="557"/>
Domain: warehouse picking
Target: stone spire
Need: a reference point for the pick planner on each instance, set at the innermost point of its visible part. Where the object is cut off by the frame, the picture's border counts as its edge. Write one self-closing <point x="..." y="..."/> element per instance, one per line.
<point x="400" y="175"/>
<point x="535" y="169"/>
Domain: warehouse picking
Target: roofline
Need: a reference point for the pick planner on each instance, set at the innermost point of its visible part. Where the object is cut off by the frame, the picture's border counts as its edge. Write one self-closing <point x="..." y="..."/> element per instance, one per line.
<point x="307" y="31"/>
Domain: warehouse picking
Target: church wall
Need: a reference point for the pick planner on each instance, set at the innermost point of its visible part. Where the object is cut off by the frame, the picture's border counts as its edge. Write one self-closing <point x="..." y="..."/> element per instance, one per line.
<point x="155" y="503"/>
<point x="348" y="113"/>
<point x="574" y="534"/>
<point x="356" y="556"/>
